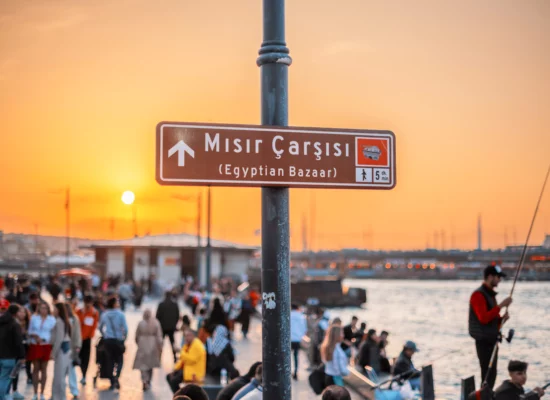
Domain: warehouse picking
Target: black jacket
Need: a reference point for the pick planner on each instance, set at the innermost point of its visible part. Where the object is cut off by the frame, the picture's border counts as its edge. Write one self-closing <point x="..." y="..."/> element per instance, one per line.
<point x="11" y="338"/>
<point x="348" y="335"/>
<point x="508" y="391"/>
<point x="369" y="354"/>
<point x="232" y="388"/>
<point x="168" y="314"/>
<point x="476" y="329"/>
<point x="404" y="366"/>
<point x="215" y="364"/>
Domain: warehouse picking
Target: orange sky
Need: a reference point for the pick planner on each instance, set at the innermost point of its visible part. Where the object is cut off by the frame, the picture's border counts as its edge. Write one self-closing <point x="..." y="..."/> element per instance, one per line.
<point x="463" y="84"/>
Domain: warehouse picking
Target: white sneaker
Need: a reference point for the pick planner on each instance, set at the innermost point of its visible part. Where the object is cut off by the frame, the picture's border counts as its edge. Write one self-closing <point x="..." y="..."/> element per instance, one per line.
<point x="18" y="396"/>
<point x="35" y="397"/>
<point x="42" y="397"/>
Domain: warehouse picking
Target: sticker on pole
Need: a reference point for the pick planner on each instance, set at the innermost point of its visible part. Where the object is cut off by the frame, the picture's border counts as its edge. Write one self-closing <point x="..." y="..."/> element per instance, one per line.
<point x="252" y="155"/>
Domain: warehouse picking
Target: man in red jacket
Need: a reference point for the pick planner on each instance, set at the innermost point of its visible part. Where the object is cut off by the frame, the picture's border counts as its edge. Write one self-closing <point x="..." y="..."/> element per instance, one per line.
<point x="484" y="321"/>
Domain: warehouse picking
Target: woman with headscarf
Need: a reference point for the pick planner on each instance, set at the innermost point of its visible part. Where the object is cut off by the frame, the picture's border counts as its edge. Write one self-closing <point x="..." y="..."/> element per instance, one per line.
<point x="220" y="354"/>
<point x="149" y="346"/>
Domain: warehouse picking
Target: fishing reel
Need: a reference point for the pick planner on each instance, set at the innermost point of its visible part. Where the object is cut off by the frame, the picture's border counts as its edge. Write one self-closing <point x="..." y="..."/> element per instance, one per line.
<point x="510" y="335"/>
<point x="508" y="338"/>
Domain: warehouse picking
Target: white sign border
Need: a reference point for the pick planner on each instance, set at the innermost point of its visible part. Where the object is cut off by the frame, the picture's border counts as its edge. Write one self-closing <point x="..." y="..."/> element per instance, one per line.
<point x="284" y="183"/>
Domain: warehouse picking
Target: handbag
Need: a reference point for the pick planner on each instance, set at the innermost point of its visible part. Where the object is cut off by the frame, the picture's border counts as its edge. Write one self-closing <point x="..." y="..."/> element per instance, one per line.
<point x="174" y="379"/>
<point x="65" y="347"/>
<point x="317" y="379"/>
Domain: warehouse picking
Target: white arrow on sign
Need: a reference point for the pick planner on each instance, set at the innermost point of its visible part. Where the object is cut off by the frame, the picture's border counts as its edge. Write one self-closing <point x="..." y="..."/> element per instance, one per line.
<point x="181" y="148"/>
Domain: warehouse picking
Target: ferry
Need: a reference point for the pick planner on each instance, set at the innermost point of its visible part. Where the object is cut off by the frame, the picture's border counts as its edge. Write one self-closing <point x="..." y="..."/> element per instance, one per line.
<point x="327" y="291"/>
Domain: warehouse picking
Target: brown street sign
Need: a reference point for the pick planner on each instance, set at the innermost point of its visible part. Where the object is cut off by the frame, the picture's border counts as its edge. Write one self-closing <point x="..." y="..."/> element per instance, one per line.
<point x="253" y="155"/>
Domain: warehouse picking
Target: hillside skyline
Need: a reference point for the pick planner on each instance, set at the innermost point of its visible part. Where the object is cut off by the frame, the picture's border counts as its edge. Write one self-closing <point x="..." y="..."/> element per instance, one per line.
<point x="462" y="84"/>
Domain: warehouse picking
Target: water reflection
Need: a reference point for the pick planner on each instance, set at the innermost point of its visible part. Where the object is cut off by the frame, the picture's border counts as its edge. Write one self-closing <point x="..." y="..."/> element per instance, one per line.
<point x="435" y="315"/>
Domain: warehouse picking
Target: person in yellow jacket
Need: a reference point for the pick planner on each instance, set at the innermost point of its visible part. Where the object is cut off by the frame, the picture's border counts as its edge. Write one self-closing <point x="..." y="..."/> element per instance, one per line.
<point x="192" y="359"/>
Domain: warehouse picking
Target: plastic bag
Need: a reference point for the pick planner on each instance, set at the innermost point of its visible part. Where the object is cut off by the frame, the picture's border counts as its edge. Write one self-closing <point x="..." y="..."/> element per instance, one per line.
<point x="405" y="390"/>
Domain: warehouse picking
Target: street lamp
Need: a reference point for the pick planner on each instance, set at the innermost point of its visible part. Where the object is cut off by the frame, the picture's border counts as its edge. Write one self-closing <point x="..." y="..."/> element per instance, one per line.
<point x="198" y="199"/>
<point x="128" y="198"/>
<point x="67" y="222"/>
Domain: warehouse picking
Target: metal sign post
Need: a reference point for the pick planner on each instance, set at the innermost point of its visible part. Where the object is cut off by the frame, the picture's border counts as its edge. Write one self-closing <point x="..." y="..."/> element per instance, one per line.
<point x="274" y="61"/>
<point x="275" y="157"/>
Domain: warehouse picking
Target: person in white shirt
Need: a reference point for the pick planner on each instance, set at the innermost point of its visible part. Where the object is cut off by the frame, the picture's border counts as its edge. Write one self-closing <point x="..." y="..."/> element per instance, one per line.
<point x="40" y="347"/>
<point x="335" y="359"/>
<point x="298" y="328"/>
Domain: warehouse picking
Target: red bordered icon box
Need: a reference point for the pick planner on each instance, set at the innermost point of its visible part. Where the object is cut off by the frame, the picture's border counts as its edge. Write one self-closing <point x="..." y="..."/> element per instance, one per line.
<point x="372" y="151"/>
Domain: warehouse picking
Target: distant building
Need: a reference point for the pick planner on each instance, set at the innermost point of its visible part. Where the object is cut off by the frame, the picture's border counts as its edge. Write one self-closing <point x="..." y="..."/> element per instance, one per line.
<point x="60" y="261"/>
<point x="546" y="243"/>
<point x="170" y="257"/>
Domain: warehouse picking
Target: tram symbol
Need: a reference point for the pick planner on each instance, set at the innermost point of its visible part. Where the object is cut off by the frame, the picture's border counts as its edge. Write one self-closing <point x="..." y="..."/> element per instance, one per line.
<point x="372" y="152"/>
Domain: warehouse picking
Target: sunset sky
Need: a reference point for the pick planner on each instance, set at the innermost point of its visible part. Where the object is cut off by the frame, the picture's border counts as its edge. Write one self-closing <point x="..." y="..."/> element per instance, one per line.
<point x="465" y="86"/>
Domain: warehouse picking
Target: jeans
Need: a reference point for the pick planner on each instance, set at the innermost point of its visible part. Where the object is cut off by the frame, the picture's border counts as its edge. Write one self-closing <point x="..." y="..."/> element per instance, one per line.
<point x="415" y="383"/>
<point x="6" y="366"/>
<point x="85" y="356"/>
<point x="170" y="335"/>
<point x="295" y="346"/>
<point x="73" y="384"/>
<point x="146" y="375"/>
<point x="62" y="363"/>
<point x="333" y="380"/>
<point x="115" y="357"/>
<point x="122" y="303"/>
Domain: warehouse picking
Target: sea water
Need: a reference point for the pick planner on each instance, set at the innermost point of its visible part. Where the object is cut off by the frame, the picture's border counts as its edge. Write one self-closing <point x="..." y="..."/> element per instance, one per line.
<point x="434" y="314"/>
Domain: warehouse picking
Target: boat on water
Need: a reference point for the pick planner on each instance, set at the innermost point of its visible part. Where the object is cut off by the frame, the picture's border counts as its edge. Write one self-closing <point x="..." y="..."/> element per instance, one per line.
<point x="322" y="291"/>
<point x="326" y="293"/>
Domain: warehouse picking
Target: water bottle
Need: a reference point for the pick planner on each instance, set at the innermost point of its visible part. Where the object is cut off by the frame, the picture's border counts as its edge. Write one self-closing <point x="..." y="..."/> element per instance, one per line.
<point x="223" y="377"/>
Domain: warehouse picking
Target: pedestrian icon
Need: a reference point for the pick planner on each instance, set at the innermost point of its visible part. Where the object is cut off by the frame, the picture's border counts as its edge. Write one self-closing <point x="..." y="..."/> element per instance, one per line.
<point x="363" y="175"/>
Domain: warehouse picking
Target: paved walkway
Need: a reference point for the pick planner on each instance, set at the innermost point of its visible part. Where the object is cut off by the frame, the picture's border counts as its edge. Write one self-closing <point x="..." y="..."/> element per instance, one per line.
<point x="248" y="351"/>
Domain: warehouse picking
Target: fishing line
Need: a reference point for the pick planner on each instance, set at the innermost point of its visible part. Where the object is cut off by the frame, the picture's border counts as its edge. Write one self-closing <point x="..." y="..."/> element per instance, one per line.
<point x="518" y="270"/>
<point x="524" y="252"/>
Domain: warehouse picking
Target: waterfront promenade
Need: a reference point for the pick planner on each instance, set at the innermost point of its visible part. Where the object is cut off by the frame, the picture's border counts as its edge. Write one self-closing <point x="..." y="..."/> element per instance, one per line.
<point x="248" y="351"/>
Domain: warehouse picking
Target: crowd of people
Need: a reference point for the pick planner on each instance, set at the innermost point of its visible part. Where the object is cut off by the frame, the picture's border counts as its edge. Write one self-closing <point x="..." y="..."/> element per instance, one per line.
<point x="334" y="346"/>
<point x="34" y="332"/>
<point x="62" y="330"/>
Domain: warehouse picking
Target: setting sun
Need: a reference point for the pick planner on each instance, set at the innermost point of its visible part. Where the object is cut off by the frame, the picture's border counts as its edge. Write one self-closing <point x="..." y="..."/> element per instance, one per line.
<point x="128" y="197"/>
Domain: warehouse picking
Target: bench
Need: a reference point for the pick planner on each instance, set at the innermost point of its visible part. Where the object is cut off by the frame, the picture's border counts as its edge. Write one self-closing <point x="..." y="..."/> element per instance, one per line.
<point x="210" y="385"/>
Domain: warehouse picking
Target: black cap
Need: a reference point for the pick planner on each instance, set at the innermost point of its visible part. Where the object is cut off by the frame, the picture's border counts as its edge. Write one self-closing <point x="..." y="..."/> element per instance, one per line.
<point x="517" y="366"/>
<point x="494" y="270"/>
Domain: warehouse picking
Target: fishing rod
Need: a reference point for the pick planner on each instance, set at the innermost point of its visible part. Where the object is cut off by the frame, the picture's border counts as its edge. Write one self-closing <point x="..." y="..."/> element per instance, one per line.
<point x="532" y="395"/>
<point x="524" y="251"/>
<point x="518" y="271"/>
<point x="412" y="370"/>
